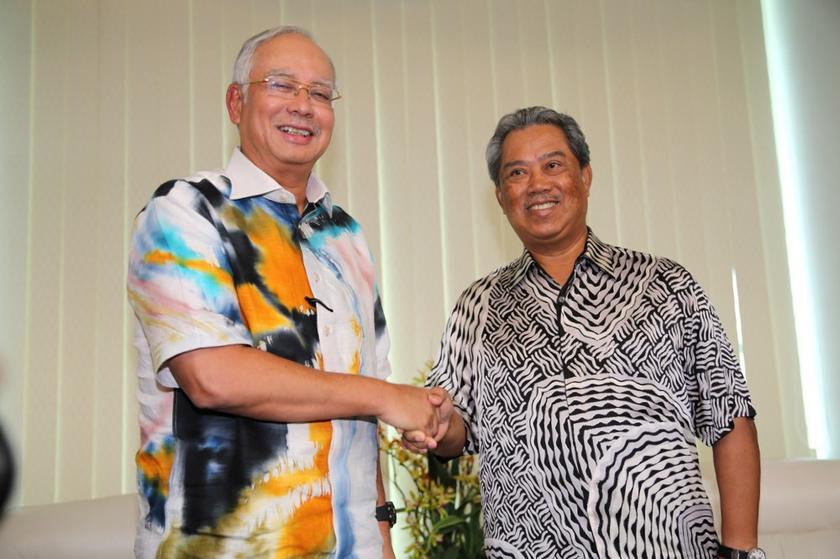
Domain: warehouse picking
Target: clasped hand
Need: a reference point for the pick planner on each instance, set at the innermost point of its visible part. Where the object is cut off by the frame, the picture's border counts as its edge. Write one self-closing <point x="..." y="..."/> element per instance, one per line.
<point x="421" y="440"/>
<point x="421" y="415"/>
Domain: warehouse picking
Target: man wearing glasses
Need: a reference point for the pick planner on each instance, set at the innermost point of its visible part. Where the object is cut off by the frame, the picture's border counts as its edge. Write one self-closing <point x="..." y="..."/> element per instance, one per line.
<point x="262" y="341"/>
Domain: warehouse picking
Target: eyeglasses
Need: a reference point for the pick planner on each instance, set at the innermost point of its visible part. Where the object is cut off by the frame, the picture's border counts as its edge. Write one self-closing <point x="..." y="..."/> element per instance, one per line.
<point x="282" y="86"/>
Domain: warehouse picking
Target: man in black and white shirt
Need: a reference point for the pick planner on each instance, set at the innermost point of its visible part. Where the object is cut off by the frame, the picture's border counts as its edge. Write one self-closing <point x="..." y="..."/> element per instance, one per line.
<point x="581" y="372"/>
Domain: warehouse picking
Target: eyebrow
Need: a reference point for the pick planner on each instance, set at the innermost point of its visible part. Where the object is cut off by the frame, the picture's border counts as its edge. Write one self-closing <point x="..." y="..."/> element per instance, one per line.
<point x="543" y="157"/>
<point x="287" y="74"/>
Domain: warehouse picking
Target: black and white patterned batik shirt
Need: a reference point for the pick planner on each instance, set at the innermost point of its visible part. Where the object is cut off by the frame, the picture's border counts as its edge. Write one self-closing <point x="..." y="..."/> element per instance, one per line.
<point x="584" y="400"/>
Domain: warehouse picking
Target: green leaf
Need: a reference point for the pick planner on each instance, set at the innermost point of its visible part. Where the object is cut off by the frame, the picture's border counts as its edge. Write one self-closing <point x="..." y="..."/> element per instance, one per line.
<point x="447" y="523"/>
<point x="443" y="508"/>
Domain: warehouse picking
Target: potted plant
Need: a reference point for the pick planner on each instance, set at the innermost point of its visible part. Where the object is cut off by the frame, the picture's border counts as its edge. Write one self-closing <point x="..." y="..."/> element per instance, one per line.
<point x="442" y="501"/>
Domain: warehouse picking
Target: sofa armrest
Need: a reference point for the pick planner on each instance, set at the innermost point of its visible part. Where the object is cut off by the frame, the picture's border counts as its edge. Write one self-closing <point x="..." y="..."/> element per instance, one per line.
<point x="90" y="529"/>
<point x="799" y="513"/>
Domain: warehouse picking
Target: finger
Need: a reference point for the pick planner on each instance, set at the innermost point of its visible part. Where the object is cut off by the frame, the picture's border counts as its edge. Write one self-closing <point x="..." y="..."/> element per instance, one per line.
<point x="412" y="447"/>
<point x="432" y="425"/>
<point x="420" y="444"/>
<point x="435" y="398"/>
<point x="440" y="393"/>
<point x="419" y="437"/>
<point x="414" y="436"/>
<point x="445" y="412"/>
<point x="441" y="432"/>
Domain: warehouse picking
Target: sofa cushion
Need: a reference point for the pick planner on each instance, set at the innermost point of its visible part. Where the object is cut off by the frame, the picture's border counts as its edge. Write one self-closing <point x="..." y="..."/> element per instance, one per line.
<point x="91" y="529"/>
<point x="799" y="514"/>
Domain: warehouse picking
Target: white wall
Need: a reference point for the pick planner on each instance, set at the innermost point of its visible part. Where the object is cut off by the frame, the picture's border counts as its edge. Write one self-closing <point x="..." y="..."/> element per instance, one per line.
<point x="107" y="99"/>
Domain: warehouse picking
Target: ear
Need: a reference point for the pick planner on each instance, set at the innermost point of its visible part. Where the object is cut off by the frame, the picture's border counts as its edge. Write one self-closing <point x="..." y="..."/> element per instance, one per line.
<point x="234" y="102"/>
<point x="499" y="196"/>
<point x="586" y="175"/>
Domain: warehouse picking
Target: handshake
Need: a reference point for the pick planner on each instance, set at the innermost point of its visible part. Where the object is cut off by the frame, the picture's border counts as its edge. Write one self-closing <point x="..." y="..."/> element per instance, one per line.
<point x="423" y="416"/>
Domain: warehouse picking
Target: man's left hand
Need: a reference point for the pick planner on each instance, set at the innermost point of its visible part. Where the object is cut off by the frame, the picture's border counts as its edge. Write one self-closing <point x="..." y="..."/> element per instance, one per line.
<point x="418" y="441"/>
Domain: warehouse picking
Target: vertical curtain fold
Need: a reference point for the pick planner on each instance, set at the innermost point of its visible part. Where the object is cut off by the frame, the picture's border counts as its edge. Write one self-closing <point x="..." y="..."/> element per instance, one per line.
<point x="115" y="97"/>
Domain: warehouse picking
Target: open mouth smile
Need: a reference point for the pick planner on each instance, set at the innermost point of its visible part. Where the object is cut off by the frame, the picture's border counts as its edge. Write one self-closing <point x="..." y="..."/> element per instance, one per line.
<point x="542" y="205"/>
<point x="303" y="132"/>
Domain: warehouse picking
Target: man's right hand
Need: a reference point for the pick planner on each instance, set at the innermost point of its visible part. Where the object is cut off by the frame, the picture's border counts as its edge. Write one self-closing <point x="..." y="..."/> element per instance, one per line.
<point x="418" y="441"/>
<point x="282" y="390"/>
<point x="410" y="408"/>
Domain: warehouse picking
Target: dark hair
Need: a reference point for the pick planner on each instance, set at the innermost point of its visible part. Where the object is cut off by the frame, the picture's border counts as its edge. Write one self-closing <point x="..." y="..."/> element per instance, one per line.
<point x="523" y="118"/>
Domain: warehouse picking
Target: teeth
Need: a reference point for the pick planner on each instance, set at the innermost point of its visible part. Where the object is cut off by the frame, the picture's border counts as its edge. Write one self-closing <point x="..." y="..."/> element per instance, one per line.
<point x="295" y="131"/>
<point x="543" y="206"/>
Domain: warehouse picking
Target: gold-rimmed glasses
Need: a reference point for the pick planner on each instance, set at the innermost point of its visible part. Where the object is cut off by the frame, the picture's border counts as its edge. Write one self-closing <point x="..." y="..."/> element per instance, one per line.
<point x="286" y="87"/>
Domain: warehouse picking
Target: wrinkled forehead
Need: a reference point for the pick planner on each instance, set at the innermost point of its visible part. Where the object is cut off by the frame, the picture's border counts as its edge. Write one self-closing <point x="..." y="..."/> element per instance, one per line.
<point x="295" y="56"/>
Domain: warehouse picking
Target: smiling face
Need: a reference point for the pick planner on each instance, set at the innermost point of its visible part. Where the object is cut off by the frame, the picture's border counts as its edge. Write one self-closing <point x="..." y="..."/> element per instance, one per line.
<point x="284" y="136"/>
<point x="543" y="191"/>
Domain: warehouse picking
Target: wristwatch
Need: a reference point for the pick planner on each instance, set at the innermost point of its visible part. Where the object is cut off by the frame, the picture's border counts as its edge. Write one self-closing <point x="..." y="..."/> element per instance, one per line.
<point x="729" y="553"/>
<point x="388" y="513"/>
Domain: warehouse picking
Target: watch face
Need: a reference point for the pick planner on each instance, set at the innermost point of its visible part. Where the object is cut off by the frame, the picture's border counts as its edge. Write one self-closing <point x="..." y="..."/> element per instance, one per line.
<point x="756" y="553"/>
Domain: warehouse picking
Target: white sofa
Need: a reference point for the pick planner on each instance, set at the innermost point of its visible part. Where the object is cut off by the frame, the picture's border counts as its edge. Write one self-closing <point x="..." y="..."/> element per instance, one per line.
<point x="799" y="518"/>
<point x="92" y="529"/>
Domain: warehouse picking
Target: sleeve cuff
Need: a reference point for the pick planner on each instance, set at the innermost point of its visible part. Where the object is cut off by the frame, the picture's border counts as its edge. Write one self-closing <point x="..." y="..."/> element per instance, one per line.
<point x="724" y="412"/>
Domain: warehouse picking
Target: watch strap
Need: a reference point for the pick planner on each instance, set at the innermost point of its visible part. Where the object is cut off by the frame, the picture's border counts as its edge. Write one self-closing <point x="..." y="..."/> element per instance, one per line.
<point x="731" y="553"/>
<point x="387" y="513"/>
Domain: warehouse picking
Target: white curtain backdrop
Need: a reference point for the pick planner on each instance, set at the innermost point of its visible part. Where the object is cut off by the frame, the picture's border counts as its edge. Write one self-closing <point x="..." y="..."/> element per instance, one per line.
<point x="802" y="46"/>
<point x="103" y="100"/>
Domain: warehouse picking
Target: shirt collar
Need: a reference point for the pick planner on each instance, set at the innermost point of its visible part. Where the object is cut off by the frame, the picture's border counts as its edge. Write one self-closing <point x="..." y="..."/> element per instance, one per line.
<point x="596" y="251"/>
<point x="249" y="180"/>
<point x="599" y="253"/>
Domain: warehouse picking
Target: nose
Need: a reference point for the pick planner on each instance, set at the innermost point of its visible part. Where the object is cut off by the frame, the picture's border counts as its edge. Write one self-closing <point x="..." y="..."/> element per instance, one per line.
<point x="301" y="103"/>
<point x="538" y="181"/>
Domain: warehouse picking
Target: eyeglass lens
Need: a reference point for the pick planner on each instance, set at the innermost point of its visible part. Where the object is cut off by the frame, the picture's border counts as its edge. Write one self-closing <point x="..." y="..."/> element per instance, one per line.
<point x="287" y="87"/>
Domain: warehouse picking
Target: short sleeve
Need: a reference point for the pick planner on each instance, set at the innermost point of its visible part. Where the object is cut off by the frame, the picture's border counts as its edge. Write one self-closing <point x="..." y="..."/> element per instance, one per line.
<point x="179" y="279"/>
<point x="458" y="367"/>
<point x="722" y="393"/>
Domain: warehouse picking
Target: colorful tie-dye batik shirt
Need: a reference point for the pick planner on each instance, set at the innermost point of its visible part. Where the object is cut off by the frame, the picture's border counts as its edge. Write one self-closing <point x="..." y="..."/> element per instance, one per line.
<point x="225" y="258"/>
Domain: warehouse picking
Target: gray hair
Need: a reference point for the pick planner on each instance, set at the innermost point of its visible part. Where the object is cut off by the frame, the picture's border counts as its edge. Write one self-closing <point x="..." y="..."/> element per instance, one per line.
<point x="529" y="116"/>
<point x="245" y="59"/>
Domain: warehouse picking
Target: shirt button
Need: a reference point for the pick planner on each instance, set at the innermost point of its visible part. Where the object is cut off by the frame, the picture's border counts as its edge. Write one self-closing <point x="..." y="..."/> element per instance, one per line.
<point x="327" y="330"/>
<point x="317" y="278"/>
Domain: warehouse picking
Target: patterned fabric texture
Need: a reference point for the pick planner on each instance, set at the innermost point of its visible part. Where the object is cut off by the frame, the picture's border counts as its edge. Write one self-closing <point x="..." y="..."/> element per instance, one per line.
<point x="215" y="262"/>
<point x="583" y="401"/>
